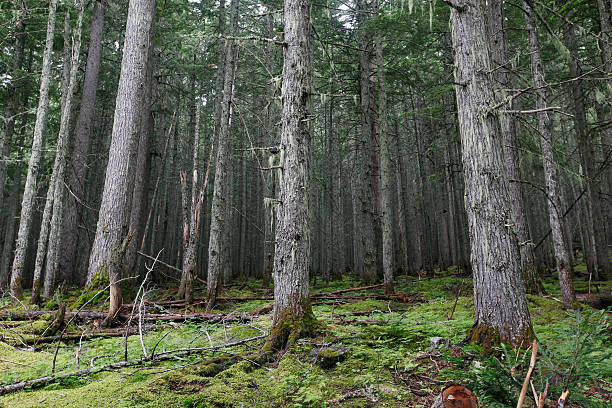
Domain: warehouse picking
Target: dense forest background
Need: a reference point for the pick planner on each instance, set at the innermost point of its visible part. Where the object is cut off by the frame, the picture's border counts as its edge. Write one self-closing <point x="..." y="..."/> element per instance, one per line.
<point x="193" y="145"/>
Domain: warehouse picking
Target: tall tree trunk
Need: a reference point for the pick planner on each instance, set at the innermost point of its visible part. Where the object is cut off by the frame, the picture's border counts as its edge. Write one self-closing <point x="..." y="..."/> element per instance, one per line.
<point x="143" y="168"/>
<point x="497" y="29"/>
<point x="82" y="143"/>
<point x="38" y="144"/>
<point x="501" y="312"/>
<point x="10" y="112"/>
<point x="564" y="268"/>
<point x="591" y="172"/>
<point x="219" y="216"/>
<point x="107" y="255"/>
<point x="386" y="167"/>
<point x="293" y="315"/>
<point x="59" y="169"/>
<point x="363" y="179"/>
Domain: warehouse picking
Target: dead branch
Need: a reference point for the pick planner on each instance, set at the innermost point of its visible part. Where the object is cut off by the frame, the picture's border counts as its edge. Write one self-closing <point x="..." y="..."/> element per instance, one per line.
<point x="525" y="387"/>
<point x="40" y="382"/>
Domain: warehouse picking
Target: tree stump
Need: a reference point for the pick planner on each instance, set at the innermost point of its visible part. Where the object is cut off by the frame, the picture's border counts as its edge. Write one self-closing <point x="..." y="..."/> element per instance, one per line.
<point x="455" y="396"/>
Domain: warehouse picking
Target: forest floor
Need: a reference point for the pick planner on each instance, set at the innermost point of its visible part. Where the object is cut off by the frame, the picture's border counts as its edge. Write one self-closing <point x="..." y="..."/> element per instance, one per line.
<point x="369" y="352"/>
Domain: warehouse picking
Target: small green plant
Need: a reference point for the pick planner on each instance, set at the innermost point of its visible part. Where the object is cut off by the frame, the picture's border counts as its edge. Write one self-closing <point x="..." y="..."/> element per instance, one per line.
<point x="580" y="356"/>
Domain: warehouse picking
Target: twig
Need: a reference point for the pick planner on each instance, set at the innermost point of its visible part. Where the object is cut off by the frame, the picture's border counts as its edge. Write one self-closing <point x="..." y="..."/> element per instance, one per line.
<point x="532" y="362"/>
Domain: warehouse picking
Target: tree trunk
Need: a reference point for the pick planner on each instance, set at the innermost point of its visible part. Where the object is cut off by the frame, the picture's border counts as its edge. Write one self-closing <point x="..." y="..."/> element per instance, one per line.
<point x="192" y="221"/>
<point x="59" y="169"/>
<point x="112" y="236"/>
<point x="10" y="111"/>
<point x="501" y="312"/>
<point x="363" y="184"/>
<point x="219" y="215"/>
<point x="564" y="268"/>
<point x="38" y="144"/>
<point x="143" y="169"/>
<point x="293" y="315"/>
<point x="497" y="29"/>
<point x="82" y="143"/>
<point x="386" y="168"/>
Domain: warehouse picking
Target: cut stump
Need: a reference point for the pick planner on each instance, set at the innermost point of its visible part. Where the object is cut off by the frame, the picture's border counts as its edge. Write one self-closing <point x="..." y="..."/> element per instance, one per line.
<point x="456" y="396"/>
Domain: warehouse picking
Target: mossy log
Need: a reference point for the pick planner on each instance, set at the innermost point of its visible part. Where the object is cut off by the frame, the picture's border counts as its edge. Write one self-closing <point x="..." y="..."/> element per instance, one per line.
<point x="455" y="396"/>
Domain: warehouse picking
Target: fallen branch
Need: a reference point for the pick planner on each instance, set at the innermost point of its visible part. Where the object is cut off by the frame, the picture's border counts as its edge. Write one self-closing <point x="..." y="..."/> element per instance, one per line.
<point x="40" y="382"/>
<point x="525" y="387"/>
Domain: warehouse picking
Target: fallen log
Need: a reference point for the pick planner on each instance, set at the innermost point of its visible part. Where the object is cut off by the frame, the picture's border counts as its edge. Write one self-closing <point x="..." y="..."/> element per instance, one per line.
<point x="148" y="317"/>
<point x="322" y="296"/>
<point x="337" y="292"/>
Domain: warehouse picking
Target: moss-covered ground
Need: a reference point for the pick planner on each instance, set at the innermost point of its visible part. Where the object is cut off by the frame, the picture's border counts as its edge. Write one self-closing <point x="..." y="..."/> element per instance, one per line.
<point x="368" y="353"/>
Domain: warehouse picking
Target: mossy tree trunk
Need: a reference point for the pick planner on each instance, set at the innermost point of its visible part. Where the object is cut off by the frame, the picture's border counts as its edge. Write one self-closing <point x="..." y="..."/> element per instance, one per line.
<point x="293" y="315"/>
<point x="108" y="250"/>
<point x="501" y="312"/>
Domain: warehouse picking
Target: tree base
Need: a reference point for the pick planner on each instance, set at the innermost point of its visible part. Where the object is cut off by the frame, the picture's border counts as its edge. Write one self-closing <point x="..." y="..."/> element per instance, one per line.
<point x="289" y="325"/>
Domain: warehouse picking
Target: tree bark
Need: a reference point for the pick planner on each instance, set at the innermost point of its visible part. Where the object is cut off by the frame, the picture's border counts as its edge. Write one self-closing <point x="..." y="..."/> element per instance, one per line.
<point x="497" y="29"/>
<point x="365" y="226"/>
<point x="38" y="144"/>
<point x="112" y="236"/>
<point x="501" y="312"/>
<point x="219" y="215"/>
<point x="386" y="167"/>
<point x="59" y="169"/>
<point x="82" y="143"/>
<point x="555" y="213"/>
<point x="292" y="316"/>
<point x="10" y="112"/>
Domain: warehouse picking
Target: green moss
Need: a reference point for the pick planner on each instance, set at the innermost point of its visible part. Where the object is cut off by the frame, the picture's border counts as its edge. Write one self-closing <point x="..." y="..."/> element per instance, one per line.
<point x="91" y="293"/>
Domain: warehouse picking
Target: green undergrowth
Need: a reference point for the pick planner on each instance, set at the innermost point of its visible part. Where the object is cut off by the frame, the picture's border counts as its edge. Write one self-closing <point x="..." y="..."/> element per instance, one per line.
<point x="370" y="352"/>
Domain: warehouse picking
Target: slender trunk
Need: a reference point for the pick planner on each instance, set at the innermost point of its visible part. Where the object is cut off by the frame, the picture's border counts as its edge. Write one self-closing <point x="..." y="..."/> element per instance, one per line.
<point x="501" y="312"/>
<point x="564" y="268"/>
<point x="363" y="183"/>
<point x="112" y="237"/>
<point x="10" y="112"/>
<point x="293" y="315"/>
<point x="497" y="29"/>
<point x="219" y="215"/>
<point x="82" y="143"/>
<point x="59" y="168"/>
<point x="9" y="230"/>
<point x="386" y="168"/>
<point x="38" y="144"/>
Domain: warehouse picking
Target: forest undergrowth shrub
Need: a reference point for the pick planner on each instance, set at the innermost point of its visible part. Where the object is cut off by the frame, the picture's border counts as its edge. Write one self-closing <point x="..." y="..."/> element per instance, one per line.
<point x="579" y="356"/>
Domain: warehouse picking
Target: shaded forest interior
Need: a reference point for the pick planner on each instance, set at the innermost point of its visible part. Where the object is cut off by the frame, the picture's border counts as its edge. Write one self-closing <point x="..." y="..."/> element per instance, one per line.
<point x="229" y="192"/>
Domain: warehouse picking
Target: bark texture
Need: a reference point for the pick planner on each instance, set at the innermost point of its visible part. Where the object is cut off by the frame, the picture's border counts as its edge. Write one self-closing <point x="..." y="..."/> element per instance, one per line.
<point x="216" y="243"/>
<point x="78" y="166"/>
<point x="38" y="144"/>
<point x="112" y="230"/>
<point x="293" y="315"/>
<point x="555" y="213"/>
<point x="500" y="304"/>
<point x="497" y="27"/>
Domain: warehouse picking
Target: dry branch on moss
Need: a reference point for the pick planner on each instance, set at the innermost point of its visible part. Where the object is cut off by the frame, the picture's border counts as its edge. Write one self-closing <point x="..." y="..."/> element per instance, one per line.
<point x="167" y="355"/>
